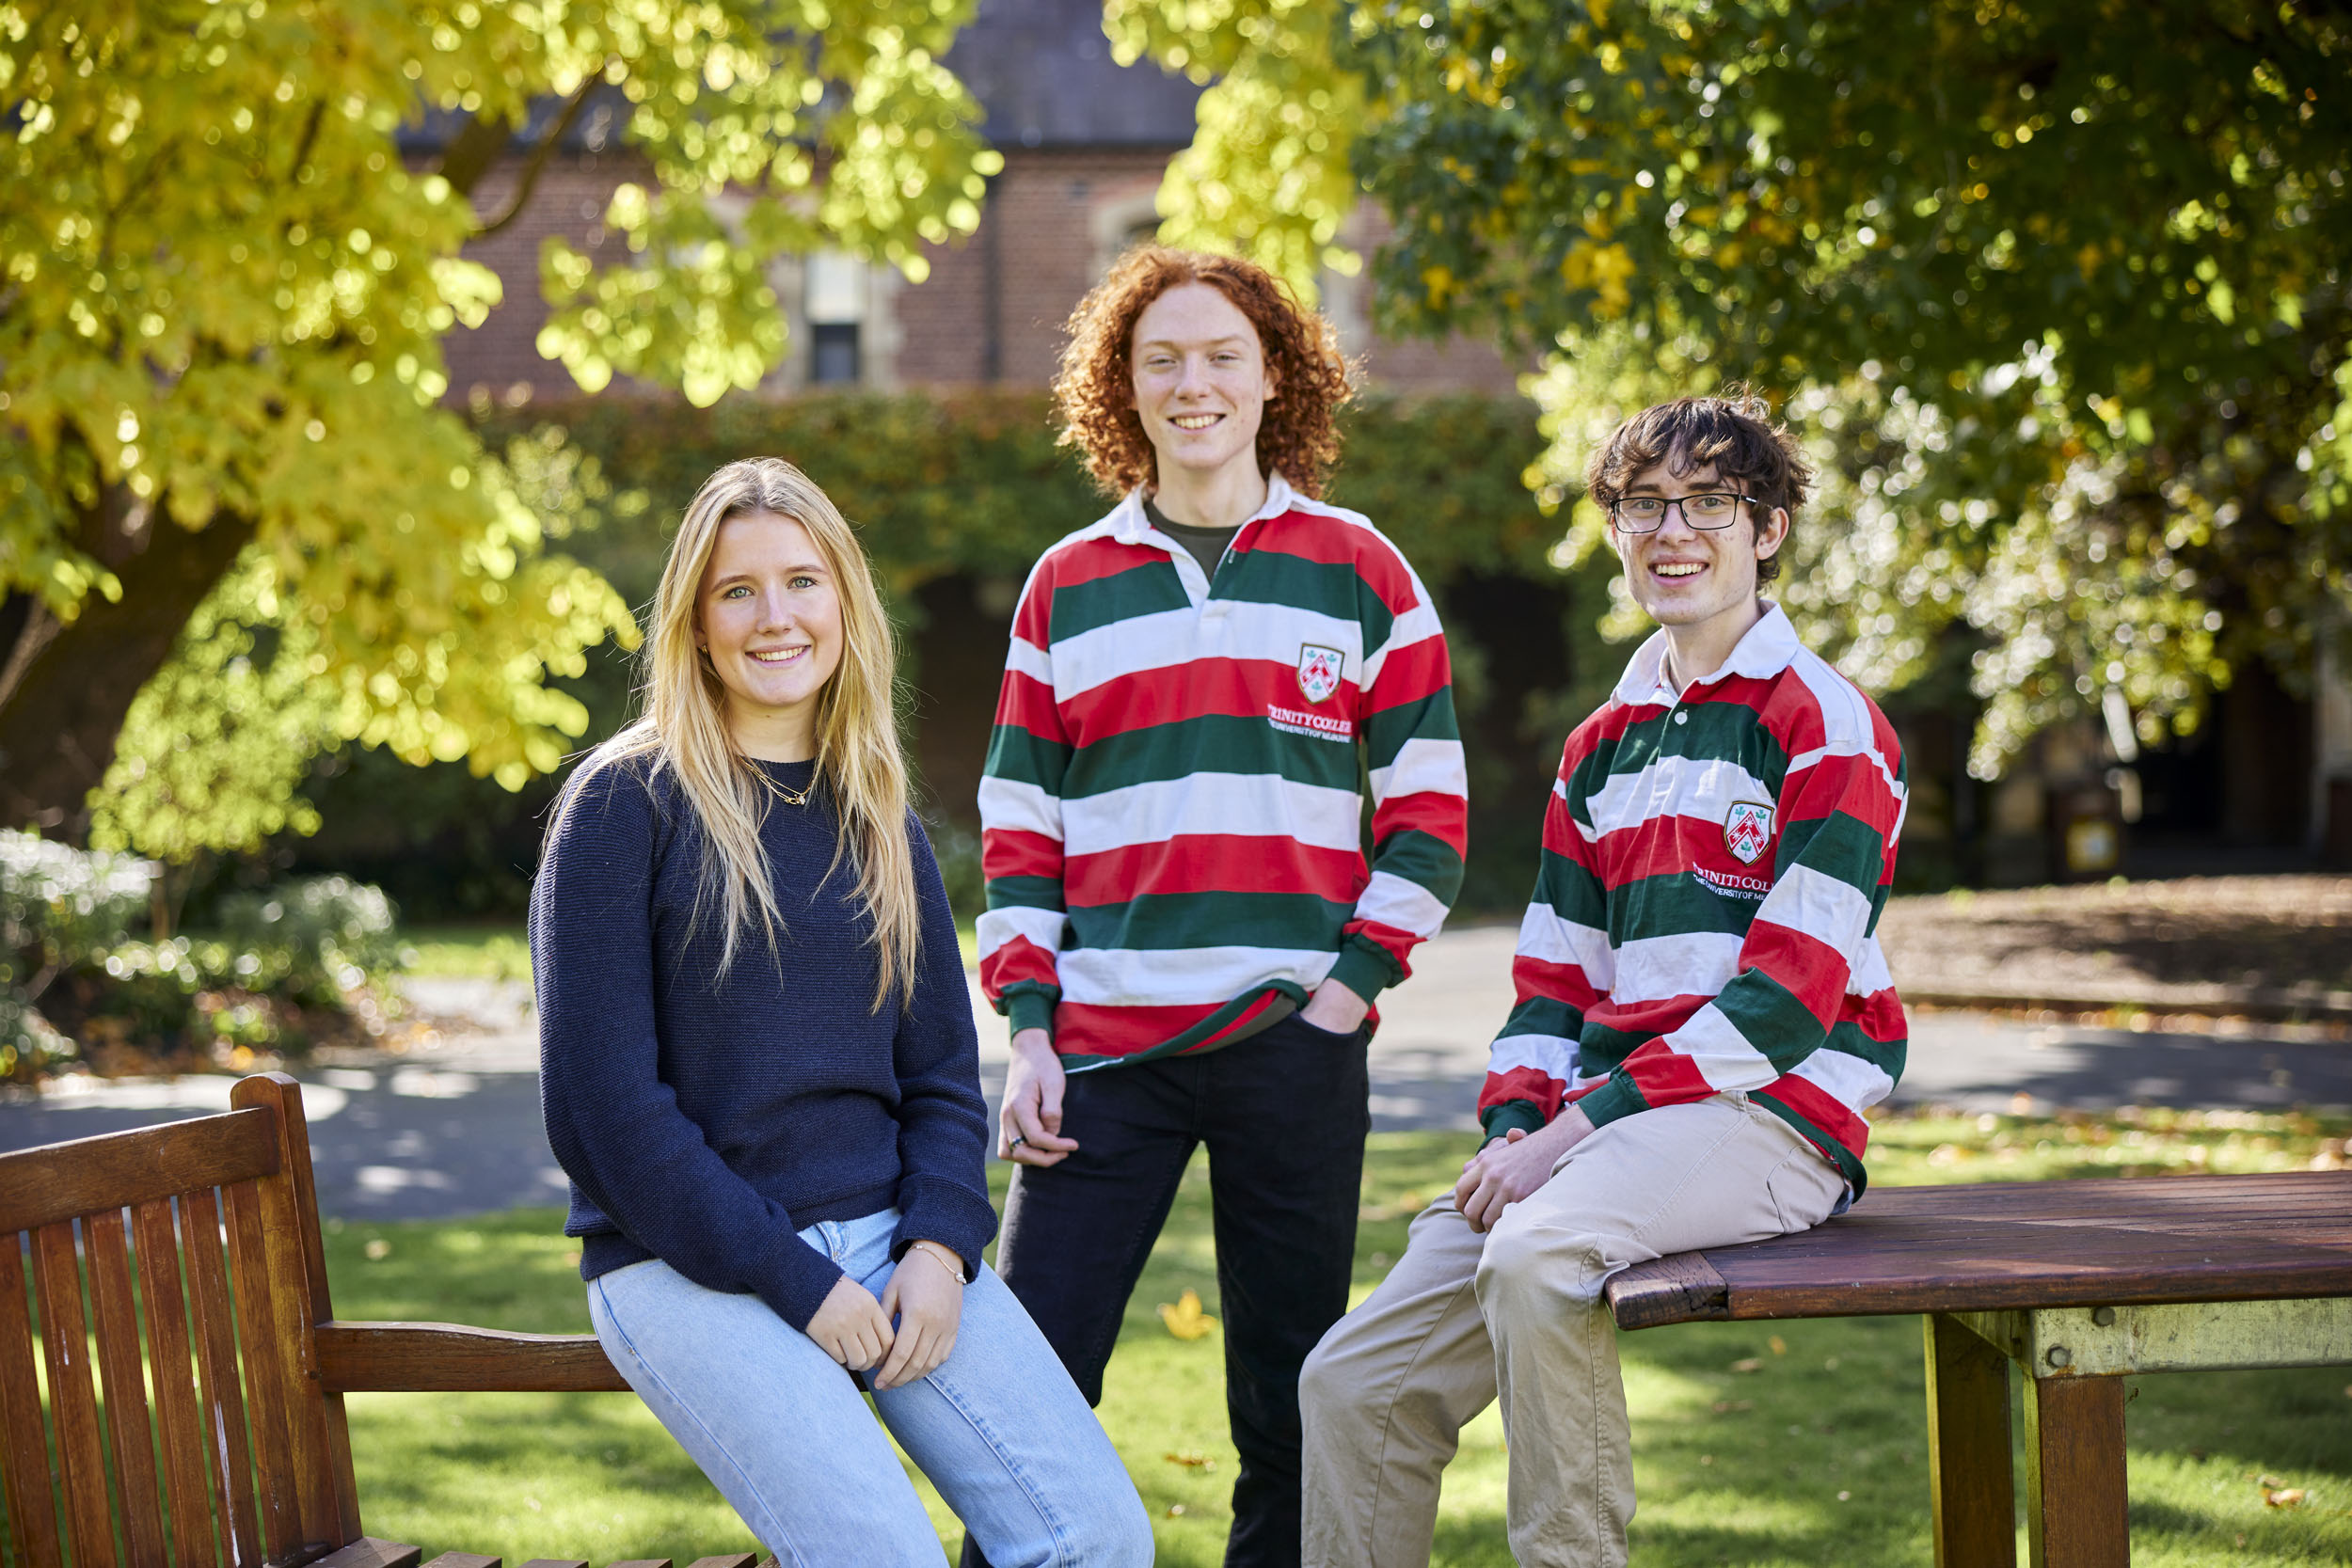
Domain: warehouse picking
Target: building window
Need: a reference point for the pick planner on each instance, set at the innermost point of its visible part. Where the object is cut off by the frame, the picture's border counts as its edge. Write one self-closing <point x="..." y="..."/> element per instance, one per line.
<point x="832" y="359"/>
<point x="834" y="300"/>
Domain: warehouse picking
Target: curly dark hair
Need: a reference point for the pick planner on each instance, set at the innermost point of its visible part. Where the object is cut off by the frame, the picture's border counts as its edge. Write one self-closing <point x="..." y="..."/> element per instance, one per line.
<point x="1094" y="391"/>
<point x="1734" y="432"/>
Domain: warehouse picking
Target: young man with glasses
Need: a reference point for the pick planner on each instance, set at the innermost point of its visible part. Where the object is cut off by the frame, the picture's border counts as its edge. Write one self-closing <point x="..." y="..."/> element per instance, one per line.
<point x="1703" y="1019"/>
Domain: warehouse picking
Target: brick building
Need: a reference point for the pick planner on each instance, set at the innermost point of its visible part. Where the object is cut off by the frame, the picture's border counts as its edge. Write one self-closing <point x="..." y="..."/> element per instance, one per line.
<point x="1085" y="142"/>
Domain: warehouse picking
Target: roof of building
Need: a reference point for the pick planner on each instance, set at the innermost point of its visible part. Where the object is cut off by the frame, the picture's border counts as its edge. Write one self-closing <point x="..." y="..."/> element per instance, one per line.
<point x="1042" y="69"/>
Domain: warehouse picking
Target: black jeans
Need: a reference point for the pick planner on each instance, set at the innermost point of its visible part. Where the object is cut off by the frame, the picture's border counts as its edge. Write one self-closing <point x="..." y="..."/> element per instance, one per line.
<point x="1283" y="1114"/>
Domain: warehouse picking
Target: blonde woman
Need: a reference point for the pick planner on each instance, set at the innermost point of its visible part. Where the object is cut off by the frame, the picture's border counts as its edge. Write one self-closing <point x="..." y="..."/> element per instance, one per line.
<point x="759" y="1071"/>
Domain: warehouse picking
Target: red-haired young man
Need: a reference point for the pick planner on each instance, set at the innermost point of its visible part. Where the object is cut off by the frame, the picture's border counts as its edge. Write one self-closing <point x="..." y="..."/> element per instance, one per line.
<point x="1183" y="925"/>
<point x="1703" y="1018"/>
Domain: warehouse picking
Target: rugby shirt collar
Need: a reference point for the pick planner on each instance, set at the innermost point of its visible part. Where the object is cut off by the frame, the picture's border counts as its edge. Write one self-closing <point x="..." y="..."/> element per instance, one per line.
<point x="1765" y="650"/>
<point x="1130" y="525"/>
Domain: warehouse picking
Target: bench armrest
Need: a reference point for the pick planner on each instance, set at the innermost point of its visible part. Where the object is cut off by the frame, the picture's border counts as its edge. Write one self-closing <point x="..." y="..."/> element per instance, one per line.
<point x="372" y="1358"/>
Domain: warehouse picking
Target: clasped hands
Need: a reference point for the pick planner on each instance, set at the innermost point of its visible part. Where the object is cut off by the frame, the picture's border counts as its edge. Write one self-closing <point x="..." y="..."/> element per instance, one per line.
<point x="925" y="1299"/>
<point x="1513" y="1165"/>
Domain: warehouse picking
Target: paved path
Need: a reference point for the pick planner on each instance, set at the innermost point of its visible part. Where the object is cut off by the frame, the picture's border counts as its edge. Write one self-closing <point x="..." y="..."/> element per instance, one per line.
<point x="454" y="1129"/>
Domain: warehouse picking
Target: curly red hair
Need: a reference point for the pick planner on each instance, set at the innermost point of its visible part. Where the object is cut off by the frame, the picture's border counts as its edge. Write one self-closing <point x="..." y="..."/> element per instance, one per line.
<point x="1094" y="391"/>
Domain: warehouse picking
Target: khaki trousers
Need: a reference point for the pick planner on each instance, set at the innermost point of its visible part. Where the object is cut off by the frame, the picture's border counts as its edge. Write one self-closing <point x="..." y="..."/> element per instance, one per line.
<point x="1518" y="1312"/>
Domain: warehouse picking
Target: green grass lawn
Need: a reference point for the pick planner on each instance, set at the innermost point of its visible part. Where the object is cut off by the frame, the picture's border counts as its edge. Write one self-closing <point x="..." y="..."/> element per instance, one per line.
<point x="1800" y="1443"/>
<point x="497" y="951"/>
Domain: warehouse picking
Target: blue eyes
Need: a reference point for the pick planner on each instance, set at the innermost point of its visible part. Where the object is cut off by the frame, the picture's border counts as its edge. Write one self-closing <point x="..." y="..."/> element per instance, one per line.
<point x="737" y="590"/>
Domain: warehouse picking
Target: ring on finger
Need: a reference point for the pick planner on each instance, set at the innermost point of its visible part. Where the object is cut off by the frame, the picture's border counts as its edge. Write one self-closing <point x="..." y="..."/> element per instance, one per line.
<point x="1018" y="1141"/>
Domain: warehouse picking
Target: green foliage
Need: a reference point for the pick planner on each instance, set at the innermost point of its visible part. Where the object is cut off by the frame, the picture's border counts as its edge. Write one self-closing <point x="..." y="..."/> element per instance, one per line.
<point x="2056" y="293"/>
<point x="218" y="744"/>
<point x="72" y="978"/>
<point x="317" y="939"/>
<point x="217" y="747"/>
<point x="223" y="288"/>
<point x="61" y="906"/>
<point x="1267" y="175"/>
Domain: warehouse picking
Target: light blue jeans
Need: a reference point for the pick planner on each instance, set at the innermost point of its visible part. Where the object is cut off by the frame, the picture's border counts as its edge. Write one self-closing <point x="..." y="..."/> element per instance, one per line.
<point x="788" y="1439"/>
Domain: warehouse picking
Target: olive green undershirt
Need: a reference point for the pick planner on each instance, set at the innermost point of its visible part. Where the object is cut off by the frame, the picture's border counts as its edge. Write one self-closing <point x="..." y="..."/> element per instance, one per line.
<point x="1207" y="544"/>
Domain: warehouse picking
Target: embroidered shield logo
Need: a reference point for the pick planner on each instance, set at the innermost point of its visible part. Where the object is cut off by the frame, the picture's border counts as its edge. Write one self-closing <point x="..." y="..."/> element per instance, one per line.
<point x="1748" y="830"/>
<point x="1318" y="670"/>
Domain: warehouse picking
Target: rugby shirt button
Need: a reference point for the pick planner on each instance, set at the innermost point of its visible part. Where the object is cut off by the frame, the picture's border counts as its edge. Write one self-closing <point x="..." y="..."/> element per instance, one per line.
<point x="1680" y="717"/>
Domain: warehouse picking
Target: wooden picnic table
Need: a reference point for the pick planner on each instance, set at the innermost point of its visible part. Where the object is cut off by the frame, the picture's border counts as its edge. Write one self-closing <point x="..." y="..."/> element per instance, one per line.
<point x="2078" y="1283"/>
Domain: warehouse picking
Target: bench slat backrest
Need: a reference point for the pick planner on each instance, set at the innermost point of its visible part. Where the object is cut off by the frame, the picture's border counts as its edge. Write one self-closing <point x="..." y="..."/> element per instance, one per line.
<point x="184" y="1258"/>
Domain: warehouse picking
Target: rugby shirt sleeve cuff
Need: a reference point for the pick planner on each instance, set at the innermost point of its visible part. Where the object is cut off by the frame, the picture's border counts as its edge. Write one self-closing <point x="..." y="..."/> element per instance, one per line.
<point x="1615" y="1099"/>
<point x="1029" y="1008"/>
<point x="1498" y="1120"/>
<point x="1364" y="967"/>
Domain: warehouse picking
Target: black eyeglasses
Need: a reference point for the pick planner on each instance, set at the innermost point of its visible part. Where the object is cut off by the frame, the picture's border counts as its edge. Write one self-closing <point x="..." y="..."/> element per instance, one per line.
<point x="1647" y="513"/>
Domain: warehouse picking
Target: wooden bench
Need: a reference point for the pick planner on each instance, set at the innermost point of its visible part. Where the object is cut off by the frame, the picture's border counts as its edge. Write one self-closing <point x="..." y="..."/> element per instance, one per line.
<point x="2078" y="1284"/>
<point x="207" y="1282"/>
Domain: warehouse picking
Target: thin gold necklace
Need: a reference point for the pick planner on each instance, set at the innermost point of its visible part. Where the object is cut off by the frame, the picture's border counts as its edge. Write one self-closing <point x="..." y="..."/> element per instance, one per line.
<point x="790" y="796"/>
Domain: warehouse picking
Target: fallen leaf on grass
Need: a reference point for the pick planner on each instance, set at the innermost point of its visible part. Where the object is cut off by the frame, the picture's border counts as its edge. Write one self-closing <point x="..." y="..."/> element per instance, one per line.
<point x="1185" y="1319"/>
<point x="1749" y="1364"/>
<point x="2276" y="1493"/>
<point x="1175" y="1510"/>
<point x="1192" y="1458"/>
<point x="1780" y="1346"/>
<point x="1724" y="1407"/>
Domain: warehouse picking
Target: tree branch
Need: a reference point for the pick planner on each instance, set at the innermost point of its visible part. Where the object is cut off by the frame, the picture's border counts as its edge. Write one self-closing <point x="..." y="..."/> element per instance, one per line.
<point x="310" y="139"/>
<point x="472" y="152"/>
<point x="539" y="155"/>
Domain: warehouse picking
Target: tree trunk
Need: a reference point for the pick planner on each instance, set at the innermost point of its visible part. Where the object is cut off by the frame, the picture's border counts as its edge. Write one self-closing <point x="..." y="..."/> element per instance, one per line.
<point x="65" y="690"/>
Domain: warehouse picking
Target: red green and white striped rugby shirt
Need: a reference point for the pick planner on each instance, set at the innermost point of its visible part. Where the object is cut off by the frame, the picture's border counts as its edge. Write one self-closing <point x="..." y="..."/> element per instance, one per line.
<point x="1705" y="913"/>
<point x="1171" y="827"/>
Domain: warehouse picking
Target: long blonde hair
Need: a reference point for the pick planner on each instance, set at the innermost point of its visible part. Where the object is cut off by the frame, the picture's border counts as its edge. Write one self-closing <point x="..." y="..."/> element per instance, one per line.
<point x="683" y="727"/>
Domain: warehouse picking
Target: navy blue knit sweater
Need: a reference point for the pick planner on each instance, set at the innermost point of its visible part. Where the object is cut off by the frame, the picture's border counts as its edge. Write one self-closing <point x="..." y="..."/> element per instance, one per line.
<point x="703" y="1120"/>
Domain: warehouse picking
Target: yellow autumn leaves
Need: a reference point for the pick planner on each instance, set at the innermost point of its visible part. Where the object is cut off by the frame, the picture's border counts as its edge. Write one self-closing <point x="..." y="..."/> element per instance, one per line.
<point x="1185" y="1319"/>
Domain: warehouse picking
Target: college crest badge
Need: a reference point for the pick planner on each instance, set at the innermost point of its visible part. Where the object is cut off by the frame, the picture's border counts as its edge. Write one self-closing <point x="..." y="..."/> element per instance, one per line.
<point x="1748" y="830"/>
<point x="1318" y="670"/>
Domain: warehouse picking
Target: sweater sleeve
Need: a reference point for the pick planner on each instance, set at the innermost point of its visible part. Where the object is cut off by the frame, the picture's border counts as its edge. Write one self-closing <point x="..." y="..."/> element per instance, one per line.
<point x="1420" y="786"/>
<point x="1840" y="808"/>
<point x="614" y="1126"/>
<point x="1563" y="966"/>
<point x="943" y="1122"/>
<point x="1021" y="831"/>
